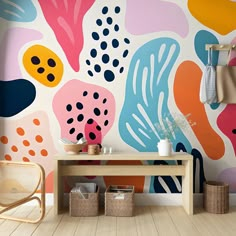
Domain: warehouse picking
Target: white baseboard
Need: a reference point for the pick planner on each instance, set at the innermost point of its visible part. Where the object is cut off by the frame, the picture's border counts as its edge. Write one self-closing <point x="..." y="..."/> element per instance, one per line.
<point x="147" y="199"/>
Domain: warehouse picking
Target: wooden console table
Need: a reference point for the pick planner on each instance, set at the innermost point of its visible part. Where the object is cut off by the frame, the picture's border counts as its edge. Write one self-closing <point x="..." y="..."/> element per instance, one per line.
<point x="63" y="166"/>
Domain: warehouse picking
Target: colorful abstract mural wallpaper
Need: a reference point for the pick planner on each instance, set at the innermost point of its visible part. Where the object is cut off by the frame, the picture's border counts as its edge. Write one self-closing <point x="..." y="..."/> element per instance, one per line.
<point x="109" y="71"/>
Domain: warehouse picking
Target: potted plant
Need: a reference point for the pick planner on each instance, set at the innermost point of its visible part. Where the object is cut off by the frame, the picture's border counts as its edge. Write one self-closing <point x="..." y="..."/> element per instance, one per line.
<point x="167" y="128"/>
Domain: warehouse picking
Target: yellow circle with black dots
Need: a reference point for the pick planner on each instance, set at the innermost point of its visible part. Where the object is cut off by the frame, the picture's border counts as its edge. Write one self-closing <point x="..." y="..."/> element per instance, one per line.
<point x="43" y="65"/>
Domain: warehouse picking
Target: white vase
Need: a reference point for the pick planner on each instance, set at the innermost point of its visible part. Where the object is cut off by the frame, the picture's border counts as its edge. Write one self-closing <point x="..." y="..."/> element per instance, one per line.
<point x="164" y="147"/>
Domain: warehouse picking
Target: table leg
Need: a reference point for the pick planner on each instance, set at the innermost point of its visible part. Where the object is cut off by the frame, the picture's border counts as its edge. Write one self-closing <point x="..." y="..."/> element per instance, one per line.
<point x="187" y="186"/>
<point x="58" y="188"/>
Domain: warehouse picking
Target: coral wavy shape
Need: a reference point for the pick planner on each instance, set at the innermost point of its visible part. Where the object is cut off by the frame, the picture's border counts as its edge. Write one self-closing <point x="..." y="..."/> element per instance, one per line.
<point x="66" y="18"/>
<point x="186" y="93"/>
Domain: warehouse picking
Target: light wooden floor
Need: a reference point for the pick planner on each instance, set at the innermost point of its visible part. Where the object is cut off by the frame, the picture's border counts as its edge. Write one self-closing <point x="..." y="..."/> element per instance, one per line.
<point x="148" y="221"/>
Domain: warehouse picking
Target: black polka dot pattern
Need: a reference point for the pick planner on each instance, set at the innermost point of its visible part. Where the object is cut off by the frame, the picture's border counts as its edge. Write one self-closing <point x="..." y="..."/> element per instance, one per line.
<point x="35" y="60"/>
<point x="79" y="136"/>
<point x="108" y="27"/>
<point x="234" y="131"/>
<point x="98" y="111"/>
<point x="51" y="63"/>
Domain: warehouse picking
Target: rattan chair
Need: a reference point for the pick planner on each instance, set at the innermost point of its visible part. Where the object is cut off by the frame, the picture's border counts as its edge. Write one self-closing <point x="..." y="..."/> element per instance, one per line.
<point x="21" y="182"/>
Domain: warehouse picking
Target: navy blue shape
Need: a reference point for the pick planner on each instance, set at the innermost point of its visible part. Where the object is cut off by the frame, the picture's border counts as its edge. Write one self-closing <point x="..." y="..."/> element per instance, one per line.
<point x="109" y="20"/>
<point x="115" y="43"/>
<point x="99" y="22"/>
<point x="196" y="156"/>
<point x="167" y="179"/>
<point x="105" y="32"/>
<point x="95" y="36"/>
<point x="93" y="53"/>
<point x="105" y="10"/>
<point x="103" y="45"/>
<point x="16" y="95"/>
<point x="90" y="73"/>
<point x="117" y="10"/>
<point x="97" y="68"/>
<point x="126" y="40"/>
<point x="125" y="53"/>
<point x="122" y="69"/>
<point x="115" y="62"/>
<point x="116" y="28"/>
<point x="109" y="75"/>
<point x="105" y="58"/>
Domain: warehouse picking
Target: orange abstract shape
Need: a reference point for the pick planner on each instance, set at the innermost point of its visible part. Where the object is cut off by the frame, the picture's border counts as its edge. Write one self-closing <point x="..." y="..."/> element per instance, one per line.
<point x="14" y="148"/>
<point x="36" y="121"/>
<point x="186" y="93"/>
<point x="4" y="140"/>
<point x="44" y="152"/>
<point x="26" y="159"/>
<point x="39" y="138"/>
<point x="43" y="65"/>
<point x="26" y="143"/>
<point x="137" y="181"/>
<point x="8" y="157"/>
<point x="20" y="131"/>
<point x="217" y="15"/>
<point x="32" y="152"/>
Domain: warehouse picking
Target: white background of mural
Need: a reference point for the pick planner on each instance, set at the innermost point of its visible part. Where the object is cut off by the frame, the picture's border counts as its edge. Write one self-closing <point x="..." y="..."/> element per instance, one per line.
<point x="108" y="45"/>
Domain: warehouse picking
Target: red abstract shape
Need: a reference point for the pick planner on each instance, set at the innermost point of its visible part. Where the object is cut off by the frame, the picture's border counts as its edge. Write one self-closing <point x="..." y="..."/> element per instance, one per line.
<point x="65" y="19"/>
<point x="186" y="93"/>
<point x="227" y="123"/>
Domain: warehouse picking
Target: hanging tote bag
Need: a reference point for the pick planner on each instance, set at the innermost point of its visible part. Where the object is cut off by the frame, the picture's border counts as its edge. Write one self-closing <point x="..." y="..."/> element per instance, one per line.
<point x="226" y="83"/>
<point x="208" y="82"/>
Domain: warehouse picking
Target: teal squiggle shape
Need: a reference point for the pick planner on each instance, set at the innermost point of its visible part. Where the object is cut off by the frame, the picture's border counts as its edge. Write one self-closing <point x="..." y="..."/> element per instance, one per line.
<point x="18" y="10"/>
<point x="146" y="96"/>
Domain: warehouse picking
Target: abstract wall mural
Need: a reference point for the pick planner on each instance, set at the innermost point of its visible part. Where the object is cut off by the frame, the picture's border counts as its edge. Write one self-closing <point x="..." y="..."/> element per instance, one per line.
<point x="110" y="71"/>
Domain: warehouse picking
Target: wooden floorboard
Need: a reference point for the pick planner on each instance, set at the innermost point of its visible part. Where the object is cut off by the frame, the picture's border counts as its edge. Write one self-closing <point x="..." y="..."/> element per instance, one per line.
<point x="148" y="220"/>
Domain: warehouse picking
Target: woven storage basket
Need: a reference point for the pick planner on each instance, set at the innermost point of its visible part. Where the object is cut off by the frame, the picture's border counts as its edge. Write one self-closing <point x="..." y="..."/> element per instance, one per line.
<point x="119" y="203"/>
<point x="216" y="197"/>
<point x="84" y="207"/>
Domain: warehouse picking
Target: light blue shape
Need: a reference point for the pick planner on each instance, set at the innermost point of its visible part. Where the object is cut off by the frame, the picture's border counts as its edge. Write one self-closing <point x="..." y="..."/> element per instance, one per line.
<point x="18" y="10"/>
<point x="146" y="96"/>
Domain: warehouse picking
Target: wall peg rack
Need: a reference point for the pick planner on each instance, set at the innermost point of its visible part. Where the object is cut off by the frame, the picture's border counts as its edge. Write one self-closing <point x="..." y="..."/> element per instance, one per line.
<point x="221" y="47"/>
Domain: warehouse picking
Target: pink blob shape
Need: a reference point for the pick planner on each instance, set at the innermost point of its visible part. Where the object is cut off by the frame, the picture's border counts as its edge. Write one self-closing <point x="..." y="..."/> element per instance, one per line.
<point x="228" y="176"/>
<point x="31" y="132"/>
<point x="65" y="19"/>
<point x="143" y="17"/>
<point x="227" y="123"/>
<point x="78" y="104"/>
<point x="10" y="46"/>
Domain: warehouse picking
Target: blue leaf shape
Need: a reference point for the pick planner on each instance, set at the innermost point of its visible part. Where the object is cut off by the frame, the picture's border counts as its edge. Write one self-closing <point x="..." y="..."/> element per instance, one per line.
<point x="147" y="92"/>
<point x="146" y="97"/>
<point x="15" y="10"/>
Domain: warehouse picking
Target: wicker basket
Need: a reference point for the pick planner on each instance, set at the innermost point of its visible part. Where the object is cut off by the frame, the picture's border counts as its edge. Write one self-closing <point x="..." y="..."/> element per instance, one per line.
<point x="216" y="197"/>
<point x="119" y="202"/>
<point x="84" y="207"/>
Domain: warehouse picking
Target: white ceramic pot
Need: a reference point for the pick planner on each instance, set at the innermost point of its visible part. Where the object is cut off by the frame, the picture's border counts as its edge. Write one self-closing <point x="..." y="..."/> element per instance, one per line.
<point x="164" y="147"/>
